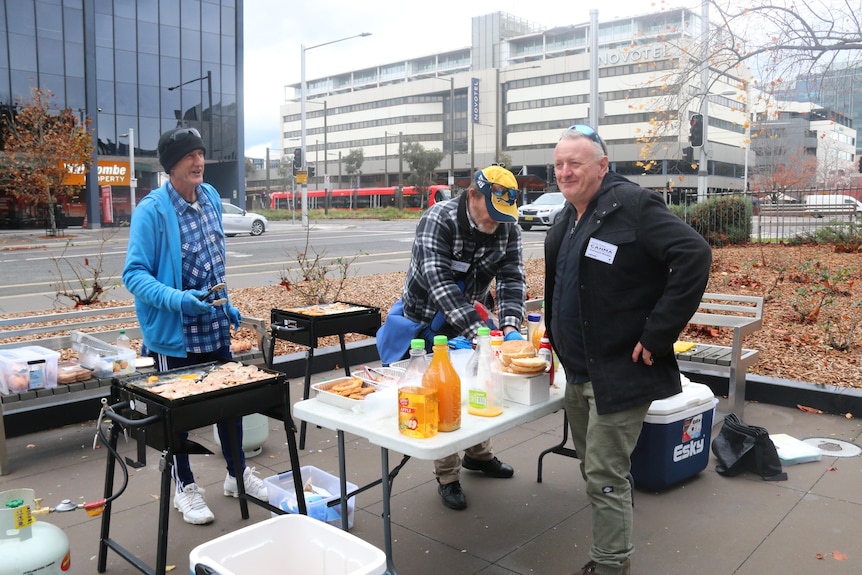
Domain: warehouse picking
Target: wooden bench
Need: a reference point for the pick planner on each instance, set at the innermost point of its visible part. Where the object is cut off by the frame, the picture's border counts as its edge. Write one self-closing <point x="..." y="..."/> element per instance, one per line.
<point x="742" y="314"/>
<point x="94" y="388"/>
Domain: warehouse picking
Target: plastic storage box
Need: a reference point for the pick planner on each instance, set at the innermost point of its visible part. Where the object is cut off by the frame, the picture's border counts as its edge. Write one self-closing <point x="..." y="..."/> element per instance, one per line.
<point x="27" y="368"/>
<point x="289" y="544"/>
<point x="104" y="359"/>
<point x="674" y="440"/>
<point x="281" y="494"/>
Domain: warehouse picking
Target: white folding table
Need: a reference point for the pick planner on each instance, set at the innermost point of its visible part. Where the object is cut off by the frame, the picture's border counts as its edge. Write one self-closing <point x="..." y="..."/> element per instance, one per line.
<point x="381" y="428"/>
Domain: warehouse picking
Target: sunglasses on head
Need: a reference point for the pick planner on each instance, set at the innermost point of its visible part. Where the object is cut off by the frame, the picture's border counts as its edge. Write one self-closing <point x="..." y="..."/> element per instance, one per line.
<point x="181" y="135"/>
<point x="504" y="194"/>
<point x="590" y="133"/>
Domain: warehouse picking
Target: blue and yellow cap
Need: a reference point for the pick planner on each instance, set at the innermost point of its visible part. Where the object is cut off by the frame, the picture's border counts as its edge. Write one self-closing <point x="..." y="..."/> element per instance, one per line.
<point x="501" y="191"/>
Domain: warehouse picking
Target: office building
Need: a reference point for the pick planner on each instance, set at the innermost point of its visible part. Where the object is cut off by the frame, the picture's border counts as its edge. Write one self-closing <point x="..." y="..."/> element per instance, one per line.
<point x="509" y="95"/>
<point x="136" y="67"/>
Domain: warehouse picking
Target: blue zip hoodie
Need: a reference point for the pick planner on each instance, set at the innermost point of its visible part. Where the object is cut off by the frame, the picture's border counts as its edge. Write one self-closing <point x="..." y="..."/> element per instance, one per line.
<point x="153" y="270"/>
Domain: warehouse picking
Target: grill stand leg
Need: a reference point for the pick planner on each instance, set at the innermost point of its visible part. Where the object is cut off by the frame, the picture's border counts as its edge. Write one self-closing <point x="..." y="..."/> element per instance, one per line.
<point x="306" y="390"/>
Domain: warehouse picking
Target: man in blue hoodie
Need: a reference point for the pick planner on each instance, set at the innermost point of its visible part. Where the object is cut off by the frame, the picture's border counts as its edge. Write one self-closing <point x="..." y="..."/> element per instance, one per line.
<point x="176" y="254"/>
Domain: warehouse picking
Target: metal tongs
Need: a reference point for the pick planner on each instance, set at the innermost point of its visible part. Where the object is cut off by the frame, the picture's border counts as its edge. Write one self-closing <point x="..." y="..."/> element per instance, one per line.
<point x="212" y="290"/>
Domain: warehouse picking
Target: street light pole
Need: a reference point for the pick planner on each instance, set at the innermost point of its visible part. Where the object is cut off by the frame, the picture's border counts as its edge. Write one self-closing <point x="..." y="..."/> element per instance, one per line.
<point x="133" y="181"/>
<point x="209" y="79"/>
<point x="703" y="167"/>
<point x="302" y="115"/>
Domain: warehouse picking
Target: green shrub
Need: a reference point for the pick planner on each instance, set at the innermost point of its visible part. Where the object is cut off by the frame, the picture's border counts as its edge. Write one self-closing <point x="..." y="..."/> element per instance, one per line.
<point x="722" y="221"/>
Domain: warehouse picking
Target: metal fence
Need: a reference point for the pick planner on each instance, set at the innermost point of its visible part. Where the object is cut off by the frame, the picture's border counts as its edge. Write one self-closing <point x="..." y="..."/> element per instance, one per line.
<point x="775" y="217"/>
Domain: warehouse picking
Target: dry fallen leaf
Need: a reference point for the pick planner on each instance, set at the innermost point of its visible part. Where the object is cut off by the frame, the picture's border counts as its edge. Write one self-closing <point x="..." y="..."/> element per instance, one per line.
<point x="839" y="556"/>
<point x="31" y="446"/>
<point x="808" y="409"/>
<point x="819" y="555"/>
<point x="848" y="415"/>
<point x="833" y="468"/>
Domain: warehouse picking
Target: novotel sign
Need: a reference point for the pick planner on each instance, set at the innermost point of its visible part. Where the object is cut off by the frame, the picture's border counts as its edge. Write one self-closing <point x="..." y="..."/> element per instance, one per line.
<point x="633" y="55"/>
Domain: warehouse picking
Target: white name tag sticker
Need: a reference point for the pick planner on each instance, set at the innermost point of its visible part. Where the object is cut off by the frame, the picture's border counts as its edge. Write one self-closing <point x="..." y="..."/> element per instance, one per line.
<point x="601" y="251"/>
<point x="461" y="267"/>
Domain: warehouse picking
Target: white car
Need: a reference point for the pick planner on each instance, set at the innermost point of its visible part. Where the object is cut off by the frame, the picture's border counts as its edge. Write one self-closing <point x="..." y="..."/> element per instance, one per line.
<point x="236" y="220"/>
<point x="542" y="212"/>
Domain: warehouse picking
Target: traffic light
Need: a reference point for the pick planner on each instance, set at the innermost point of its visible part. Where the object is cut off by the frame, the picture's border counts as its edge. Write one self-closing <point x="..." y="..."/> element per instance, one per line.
<point x="688" y="155"/>
<point x="310" y="171"/>
<point x="695" y="134"/>
<point x="297" y="160"/>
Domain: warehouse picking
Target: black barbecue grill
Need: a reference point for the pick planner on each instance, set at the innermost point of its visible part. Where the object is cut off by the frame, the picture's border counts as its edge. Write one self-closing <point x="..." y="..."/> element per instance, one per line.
<point x="160" y="422"/>
<point x="299" y="326"/>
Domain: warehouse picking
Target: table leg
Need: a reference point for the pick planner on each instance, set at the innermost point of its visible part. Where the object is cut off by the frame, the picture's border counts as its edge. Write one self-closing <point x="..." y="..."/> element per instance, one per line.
<point x="290" y="429"/>
<point x="342" y="481"/>
<point x="559" y="449"/>
<point x="387" y="509"/>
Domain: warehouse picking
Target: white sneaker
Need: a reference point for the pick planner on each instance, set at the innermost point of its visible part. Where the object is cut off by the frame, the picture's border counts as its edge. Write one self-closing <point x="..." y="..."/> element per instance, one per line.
<point x="253" y="485"/>
<point x="192" y="505"/>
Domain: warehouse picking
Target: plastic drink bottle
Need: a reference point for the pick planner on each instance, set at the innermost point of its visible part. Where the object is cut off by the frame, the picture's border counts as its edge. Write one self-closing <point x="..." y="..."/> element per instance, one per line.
<point x="443" y="377"/>
<point x="496" y="341"/>
<point x="533" y="321"/>
<point x="417" y="403"/>
<point x="539" y="332"/>
<point x="123" y="340"/>
<point x="486" y="384"/>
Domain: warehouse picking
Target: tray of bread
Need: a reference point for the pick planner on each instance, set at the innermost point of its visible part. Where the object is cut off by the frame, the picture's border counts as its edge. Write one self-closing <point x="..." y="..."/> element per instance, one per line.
<point x="520" y="359"/>
<point x="344" y="392"/>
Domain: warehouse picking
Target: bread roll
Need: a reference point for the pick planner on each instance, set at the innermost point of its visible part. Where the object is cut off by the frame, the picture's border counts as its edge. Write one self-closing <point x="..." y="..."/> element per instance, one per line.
<point x="516" y="348"/>
<point x="528" y="365"/>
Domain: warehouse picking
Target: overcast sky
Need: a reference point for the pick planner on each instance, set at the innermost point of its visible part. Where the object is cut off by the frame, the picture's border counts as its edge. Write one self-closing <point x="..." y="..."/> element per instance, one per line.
<point x="275" y="31"/>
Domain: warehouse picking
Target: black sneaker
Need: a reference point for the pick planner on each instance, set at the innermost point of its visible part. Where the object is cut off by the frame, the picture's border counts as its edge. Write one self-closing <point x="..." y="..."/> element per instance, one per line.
<point x="453" y="496"/>
<point x="492" y="468"/>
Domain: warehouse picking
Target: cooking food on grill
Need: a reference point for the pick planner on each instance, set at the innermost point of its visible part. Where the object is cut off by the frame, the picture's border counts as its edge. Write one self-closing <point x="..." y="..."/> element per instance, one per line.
<point x="326" y="308"/>
<point x="219" y="377"/>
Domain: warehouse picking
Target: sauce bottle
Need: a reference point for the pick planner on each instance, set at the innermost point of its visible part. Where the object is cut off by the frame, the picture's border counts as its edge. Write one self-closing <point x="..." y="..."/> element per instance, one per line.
<point x="533" y="320"/>
<point x="486" y="384"/>
<point x="539" y="332"/>
<point x="546" y="352"/>
<point x="443" y="377"/>
<point x="417" y="403"/>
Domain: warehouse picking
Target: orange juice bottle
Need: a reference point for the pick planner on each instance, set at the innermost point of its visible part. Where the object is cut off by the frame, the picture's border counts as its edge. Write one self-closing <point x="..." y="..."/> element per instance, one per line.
<point x="442" y="377"/>
<point x="417" y="403"/>
<point x="539" y="331"/>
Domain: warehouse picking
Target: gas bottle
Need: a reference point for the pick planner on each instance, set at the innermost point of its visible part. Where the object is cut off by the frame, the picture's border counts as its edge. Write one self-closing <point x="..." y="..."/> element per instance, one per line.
<point x="441" y="375"/>
<point x="27" y="545"/>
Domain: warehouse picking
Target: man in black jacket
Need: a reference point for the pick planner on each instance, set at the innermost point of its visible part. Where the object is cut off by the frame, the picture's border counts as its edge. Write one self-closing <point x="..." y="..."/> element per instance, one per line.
<point x="622" y="277"/>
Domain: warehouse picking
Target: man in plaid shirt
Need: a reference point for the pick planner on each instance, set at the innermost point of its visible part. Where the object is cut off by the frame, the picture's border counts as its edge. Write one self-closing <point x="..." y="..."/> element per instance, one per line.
<point x="461" y="247"/>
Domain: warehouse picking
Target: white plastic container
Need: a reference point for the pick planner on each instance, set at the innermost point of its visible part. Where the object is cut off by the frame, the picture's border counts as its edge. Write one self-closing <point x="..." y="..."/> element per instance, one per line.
<point x="306" y="545"/>
<point x="281" y="494"/>
<point x="104" y="359"/>
<point x="28" y="368"/>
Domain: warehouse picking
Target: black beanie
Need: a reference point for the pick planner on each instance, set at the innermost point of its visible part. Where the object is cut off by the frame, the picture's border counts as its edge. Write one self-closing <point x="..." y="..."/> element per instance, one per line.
<point x="175" y="144"/>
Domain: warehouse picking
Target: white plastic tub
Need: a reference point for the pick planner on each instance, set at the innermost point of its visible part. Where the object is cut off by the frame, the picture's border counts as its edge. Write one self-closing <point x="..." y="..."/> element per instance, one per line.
<point x="308" y="546"/>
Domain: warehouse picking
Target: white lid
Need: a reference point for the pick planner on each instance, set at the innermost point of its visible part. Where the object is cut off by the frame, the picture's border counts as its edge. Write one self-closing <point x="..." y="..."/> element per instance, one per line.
<point x="692" y="395"/>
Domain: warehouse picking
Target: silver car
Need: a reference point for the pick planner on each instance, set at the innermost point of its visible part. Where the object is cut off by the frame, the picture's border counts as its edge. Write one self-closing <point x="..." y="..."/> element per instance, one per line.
<point x="236" y="220"/>
<point x="542" y="212"/>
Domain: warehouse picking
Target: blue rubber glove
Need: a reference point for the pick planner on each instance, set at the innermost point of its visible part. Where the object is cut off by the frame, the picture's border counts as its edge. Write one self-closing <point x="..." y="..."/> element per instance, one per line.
<point x="513" y="335"/>
<point x="233" y="315"/>
<point x="192" y="304"/>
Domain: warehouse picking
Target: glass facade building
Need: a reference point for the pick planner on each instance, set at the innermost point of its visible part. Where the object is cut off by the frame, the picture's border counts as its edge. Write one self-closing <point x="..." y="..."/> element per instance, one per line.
<point x="140" y="65"/>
